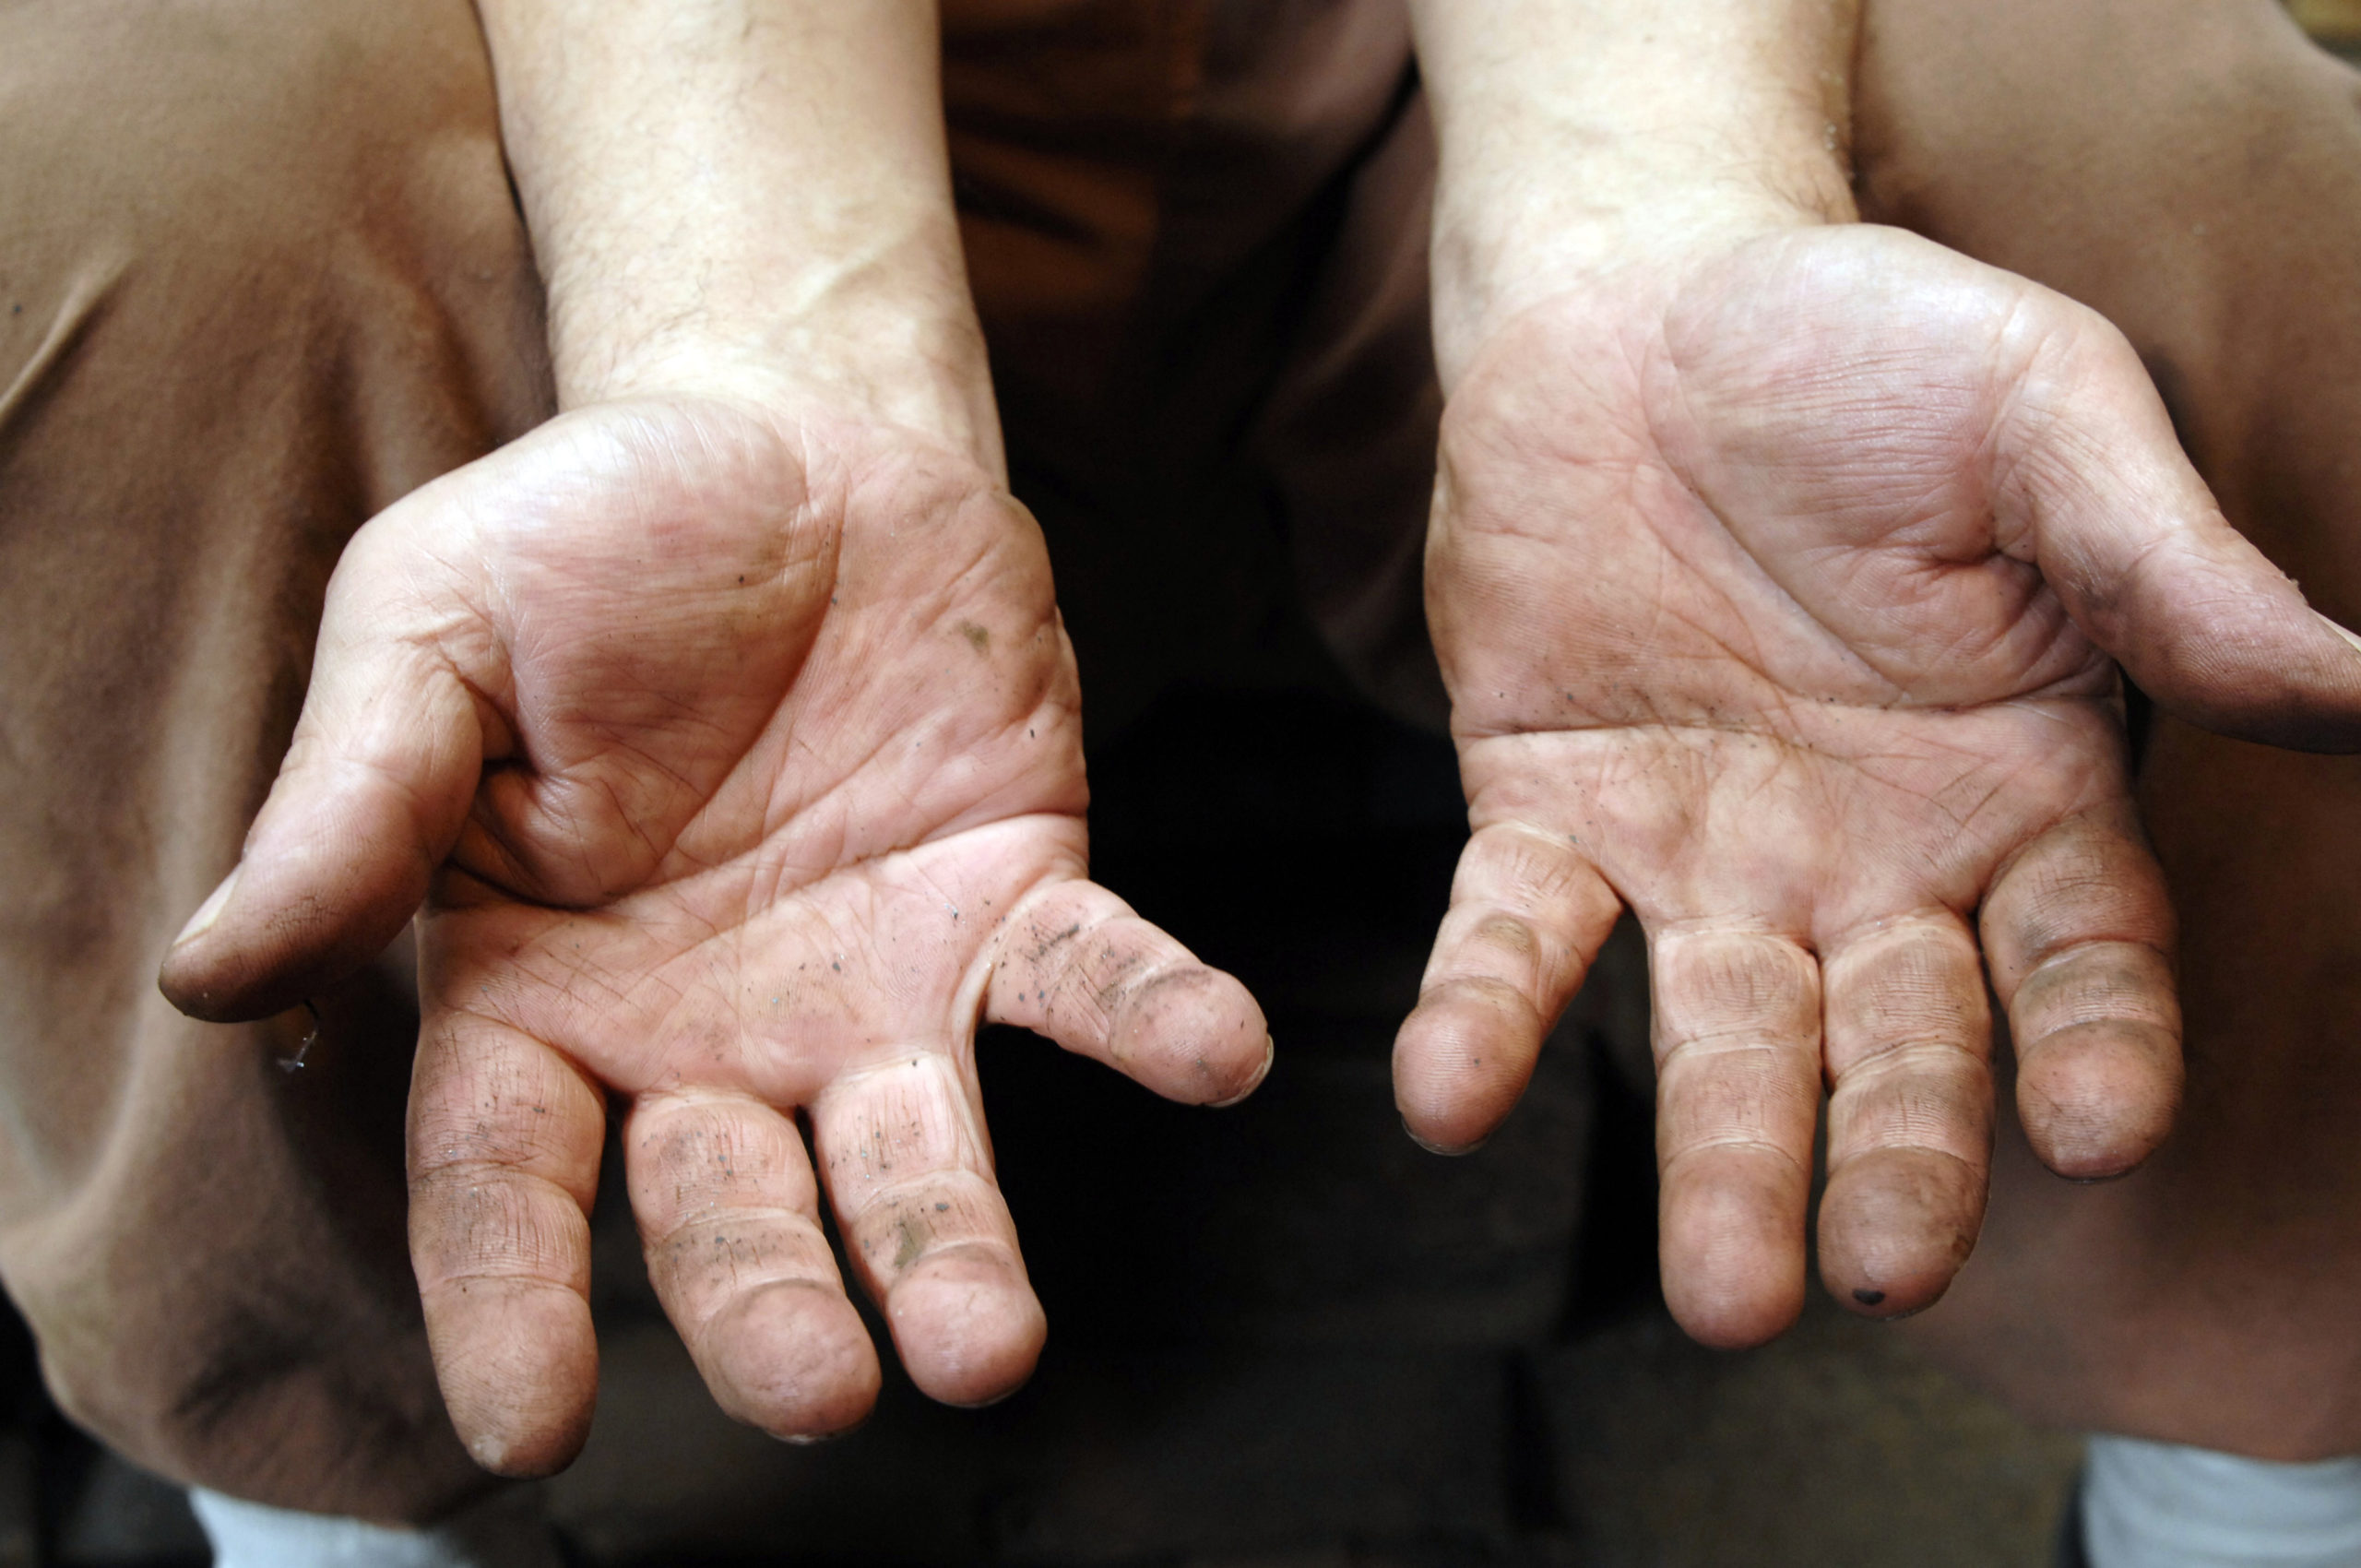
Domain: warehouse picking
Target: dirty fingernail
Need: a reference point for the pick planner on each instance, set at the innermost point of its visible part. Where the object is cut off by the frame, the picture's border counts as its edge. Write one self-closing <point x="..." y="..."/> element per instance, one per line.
<point x="208" y="911"/>
<point x="1453" y="1150"/>
<point x="1270" y="1055"/>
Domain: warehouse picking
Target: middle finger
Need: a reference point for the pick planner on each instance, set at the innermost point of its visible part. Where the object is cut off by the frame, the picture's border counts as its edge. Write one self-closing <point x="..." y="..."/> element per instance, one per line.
<point x="1738" y="1093"/>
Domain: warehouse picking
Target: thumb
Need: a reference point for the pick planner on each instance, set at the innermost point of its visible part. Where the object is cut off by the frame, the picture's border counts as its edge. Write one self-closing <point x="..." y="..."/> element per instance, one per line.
<point x="2090" y="483"/>
<point x="371" y="798"/>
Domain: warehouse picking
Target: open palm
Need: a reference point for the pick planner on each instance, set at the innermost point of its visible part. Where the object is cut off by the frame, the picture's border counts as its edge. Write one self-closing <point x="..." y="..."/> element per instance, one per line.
<point x="740" y="764"/>
<point x="1776" y="601"/>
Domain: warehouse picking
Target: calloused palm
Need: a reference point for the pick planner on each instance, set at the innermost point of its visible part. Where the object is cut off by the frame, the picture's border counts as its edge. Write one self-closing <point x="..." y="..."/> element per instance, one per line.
<point x="1777" y="601"/>
<point x="742" y="761"/>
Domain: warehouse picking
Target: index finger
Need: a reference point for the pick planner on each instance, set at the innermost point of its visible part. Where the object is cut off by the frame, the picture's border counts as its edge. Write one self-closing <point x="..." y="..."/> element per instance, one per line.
<point x="1075" y="963"/>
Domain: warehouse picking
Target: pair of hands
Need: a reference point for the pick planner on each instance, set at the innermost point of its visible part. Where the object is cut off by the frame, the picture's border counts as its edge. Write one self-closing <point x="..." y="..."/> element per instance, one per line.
<point x="734" y="757"/>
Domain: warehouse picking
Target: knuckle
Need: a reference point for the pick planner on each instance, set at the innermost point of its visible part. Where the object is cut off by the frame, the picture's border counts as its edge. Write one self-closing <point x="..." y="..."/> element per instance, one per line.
<point x="1488" y="996"/>
<point x="469" y="1223"/>
<point x="2098" y="982"/>
<point x="1902" y="990"/>
<point x="1714" y="984"/>
<point x="699" y="1268"/>
<point x="1733" y="1093"/>
<point x="905" y="1120"/>
<point x="1520" y="865"/>
<point x="898" y="1229"/>
<point x="690" y="1160"/>
<point x="519" y="1108"/>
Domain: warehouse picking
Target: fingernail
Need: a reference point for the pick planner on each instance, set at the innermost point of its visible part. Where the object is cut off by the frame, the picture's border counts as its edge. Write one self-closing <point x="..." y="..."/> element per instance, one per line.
<point x="2341" y="632"/>
<point x="1270" y="1055"/>
<point x="814" y="1439"/>
<point x="1451" y="1151"/>
<point x="208" y="911"/>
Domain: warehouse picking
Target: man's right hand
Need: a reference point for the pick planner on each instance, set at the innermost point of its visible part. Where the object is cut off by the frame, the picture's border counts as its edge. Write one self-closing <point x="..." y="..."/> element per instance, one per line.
<point x="738" y="760"/>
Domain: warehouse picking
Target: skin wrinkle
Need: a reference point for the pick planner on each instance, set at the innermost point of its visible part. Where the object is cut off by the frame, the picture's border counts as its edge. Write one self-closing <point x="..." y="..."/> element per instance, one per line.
<point x="2016" y="404"/>
<point x="1718" y="806"/>
<point x="688" y="1233"/>
<point x="1669" y="1165"/>
<point x="712" y="278"/>
<point x="1785" y="795"/>
<point x="2095" y="1005"/>
<point x="1720" y="520"/>
<point x="1874" y="1136"/>
<point x="1994" y="403"/>
<point x="503" y="1227"/>
<point x="861" y="777"/>
<point x="731" y="1265"/>
<point x="879" y="1196"/>
<point x="2050" y="939"/>
<point x="1925" y="1057"/>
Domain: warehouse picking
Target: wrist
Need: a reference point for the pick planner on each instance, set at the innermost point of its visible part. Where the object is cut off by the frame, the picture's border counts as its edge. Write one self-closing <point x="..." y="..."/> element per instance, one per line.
<point x="1623" y="138"/>
<point x="863" y="351"/>
<point x="1642" y="253"/>
<point x="746" y="198"/>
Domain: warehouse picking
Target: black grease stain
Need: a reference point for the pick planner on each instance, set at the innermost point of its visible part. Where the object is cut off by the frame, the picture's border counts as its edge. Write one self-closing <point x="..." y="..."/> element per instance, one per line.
<point x="913" y="1241"/>
<point x="1868" y="1297"/>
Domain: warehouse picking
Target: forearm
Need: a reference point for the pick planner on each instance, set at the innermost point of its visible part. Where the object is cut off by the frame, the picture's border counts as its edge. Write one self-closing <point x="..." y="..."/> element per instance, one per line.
<point x="748" y="197"/>
<point x="1582" y="135"/>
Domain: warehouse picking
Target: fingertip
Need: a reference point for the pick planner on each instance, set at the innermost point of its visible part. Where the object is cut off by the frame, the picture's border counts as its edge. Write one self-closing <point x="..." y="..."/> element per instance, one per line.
<point x="2293" y="681"/>
<point x="1720" y="1320"/>
<point x="790" y="1357"/>
<point x="1461" y="1061"/>
<point x="2098" y="1098"/>
<point x="186" y="977"/>
<point x="1732" y="1252"/>
<point x="516" y="1453"/>
<point x="1895" y="1225"/>
<point x="2324" y="713"/>
<point x="268" y="938"/>
<point x="2222" y="638"/>
<point x="1194" y="1034"/>
<point x="210" y="910"/>
<point x="967" y="1326"/>
<point x="187" y="981"/>
<point x="518" y="1365"/>
<point x="1254" y="1080"/>
<point x="1437" y="1145"/>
